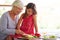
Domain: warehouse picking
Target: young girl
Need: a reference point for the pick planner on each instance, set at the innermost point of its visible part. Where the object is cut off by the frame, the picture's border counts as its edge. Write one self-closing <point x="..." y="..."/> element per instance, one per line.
<point x="28" y="21"/>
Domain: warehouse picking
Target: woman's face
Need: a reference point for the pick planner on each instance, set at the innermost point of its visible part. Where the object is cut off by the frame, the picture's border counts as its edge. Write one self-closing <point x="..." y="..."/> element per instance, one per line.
<point x="29" y="11"/>
<point x="17" y="10"/>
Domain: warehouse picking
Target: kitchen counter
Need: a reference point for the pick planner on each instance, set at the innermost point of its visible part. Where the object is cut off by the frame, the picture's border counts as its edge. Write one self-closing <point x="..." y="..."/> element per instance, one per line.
<point x="34" y="39"/>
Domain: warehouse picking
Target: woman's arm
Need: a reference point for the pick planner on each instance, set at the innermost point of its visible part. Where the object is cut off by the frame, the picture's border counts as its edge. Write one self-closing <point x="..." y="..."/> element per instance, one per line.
<point x="4" y="29"/>
<point x="3" y="26"/>
<point x="35" y="23"/>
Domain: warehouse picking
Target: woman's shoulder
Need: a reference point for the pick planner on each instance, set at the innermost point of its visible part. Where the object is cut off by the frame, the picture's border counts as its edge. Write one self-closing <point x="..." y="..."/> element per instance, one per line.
<point x="5" y="14"/>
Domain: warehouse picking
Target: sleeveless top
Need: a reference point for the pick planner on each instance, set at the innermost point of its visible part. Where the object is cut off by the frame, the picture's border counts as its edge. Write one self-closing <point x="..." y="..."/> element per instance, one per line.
<point x="27" y="26"/>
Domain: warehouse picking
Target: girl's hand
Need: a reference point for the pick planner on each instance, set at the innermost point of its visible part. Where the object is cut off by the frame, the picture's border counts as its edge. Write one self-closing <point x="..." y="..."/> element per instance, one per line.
<point x="24" y="35"/>
<point x="38" y="35"/>
<point x="36" y="32"/>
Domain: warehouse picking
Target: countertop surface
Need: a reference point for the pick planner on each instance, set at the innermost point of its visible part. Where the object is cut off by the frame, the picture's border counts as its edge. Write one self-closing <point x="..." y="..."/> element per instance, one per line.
<point x="35" y="39"/>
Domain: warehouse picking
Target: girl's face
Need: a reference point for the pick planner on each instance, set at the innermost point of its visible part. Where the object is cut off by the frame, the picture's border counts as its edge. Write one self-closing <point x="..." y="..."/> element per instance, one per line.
<point x="29" y="11"/>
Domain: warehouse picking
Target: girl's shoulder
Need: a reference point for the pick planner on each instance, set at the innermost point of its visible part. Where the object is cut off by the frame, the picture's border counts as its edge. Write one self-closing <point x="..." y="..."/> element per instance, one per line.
<point x="22" y="15"/>
<point x="34" y="16"/>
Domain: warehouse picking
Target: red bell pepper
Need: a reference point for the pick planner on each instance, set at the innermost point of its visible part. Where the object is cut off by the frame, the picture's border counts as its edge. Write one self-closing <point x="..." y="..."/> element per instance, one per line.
<point x="38" y="35"/>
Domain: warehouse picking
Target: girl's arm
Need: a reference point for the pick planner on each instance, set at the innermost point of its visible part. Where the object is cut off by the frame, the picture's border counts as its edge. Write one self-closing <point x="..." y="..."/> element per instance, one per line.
<point x="35" y="23"/>
<point x="19" y="23"/>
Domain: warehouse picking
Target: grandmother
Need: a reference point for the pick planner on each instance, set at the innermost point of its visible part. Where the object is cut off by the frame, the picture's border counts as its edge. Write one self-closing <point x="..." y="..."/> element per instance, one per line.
<point x="9" y="20"/>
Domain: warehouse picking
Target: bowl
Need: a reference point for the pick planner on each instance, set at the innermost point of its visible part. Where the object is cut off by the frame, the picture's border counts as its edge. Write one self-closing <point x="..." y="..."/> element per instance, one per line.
<point x="50" y="39"/>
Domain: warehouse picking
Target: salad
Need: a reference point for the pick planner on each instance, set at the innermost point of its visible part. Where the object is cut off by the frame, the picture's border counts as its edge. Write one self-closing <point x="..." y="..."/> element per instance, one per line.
<point x="31" y="37"/>
<point x="49" y="37"/>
